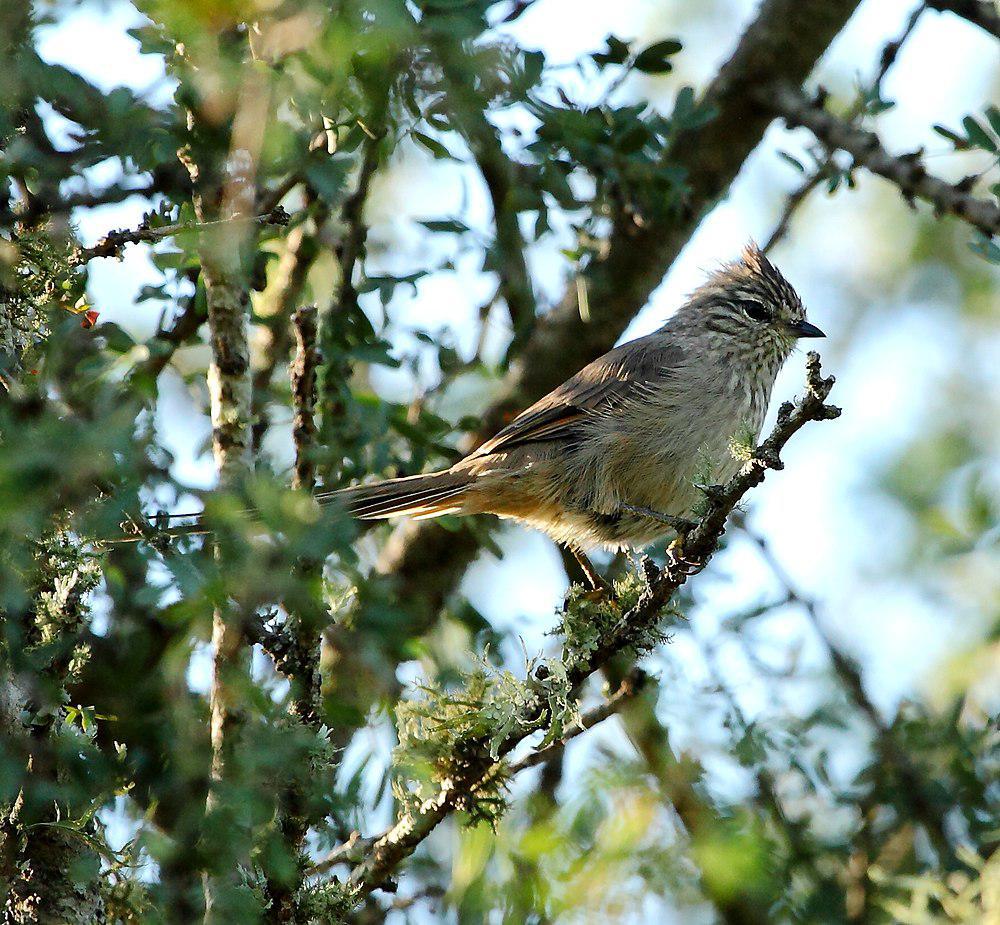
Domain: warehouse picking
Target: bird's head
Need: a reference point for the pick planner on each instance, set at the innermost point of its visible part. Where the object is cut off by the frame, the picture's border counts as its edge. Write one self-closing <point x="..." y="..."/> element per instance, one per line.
<point x="750" y="302"/>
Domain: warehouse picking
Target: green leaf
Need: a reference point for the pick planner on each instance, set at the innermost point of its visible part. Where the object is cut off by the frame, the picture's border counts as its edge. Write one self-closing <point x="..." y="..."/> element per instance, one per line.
<point x="450" y="225"/>
<point x="617" y="52"/>
<point x="978" y="136"/>
<point x="439" y="151"/>
<point x="794" y="161"/>
<point x="534" y="64"/>
<point x="327" y="177"/>
<point x="653" y="60"/>
<point x="960" y="143"/>
<point x="993" y="117"/>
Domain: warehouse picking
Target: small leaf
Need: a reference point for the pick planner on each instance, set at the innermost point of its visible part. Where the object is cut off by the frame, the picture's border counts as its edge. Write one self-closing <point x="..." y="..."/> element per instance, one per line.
<point x="451" y="225"/>
<point x="327" y="176"/>
<point x="993" y="117"/>
<point x="617" y="52"/>
<point x="960" y="143"/>
<point x="794" y="161"/>
<point x="653" y="60"/>
<point x="439" y="151"/>
<point x="534" y="64"/>
<point x="978" y="136"/>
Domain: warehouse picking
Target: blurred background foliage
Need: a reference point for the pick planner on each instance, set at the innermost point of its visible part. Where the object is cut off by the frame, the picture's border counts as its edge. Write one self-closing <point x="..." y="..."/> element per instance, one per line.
<point x="817" y="741"/>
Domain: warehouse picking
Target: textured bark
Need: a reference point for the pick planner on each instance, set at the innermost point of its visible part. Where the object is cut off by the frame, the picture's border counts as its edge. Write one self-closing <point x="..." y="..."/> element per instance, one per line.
<point x="223" y="197"/>
<point x="907" y="173"/>
<point x="55" y="879"/>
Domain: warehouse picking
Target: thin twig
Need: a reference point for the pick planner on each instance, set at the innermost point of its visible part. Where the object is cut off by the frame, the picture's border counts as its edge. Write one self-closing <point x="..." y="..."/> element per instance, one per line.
<point x="632" y="684"/>
<point x="300" y="639"/>
<point x="165" y="343"/>
<point x="849" y="673"/>
<point x="303" y="383"/>
<point x="114" y="242"/>
<point x="282" y="294"/>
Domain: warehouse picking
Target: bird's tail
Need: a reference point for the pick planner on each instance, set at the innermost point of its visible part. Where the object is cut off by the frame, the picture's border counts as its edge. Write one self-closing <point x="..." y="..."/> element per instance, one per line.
<point x="419" y="496"/>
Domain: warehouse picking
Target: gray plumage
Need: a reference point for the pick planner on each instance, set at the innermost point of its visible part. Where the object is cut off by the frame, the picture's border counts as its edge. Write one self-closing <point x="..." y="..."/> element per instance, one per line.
<point x="639" y="427"/>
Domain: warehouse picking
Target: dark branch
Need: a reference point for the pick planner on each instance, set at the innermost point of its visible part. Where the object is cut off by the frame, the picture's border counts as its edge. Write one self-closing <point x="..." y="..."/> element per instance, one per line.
<point x="303" y="382"/>
<point x="905" y="172"/>
<point x="915" y="792"/>
<point x="499" y="175"/>
<point x="632" y="685"/>
<point x="114" y="242"/>
<point x="165" y="343"/>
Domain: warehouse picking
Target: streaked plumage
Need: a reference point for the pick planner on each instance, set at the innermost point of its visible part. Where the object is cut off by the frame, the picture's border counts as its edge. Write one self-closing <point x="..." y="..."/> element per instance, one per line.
<point x="639" y="426"/>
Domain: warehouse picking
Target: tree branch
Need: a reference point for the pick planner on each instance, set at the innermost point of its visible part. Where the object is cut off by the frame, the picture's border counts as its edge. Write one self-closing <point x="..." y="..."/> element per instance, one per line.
<point x="498" y="174"/>
<point x="165" y="343"/>
<point x="905" y="172"/>
<point x="632" y="685"/>
<point x="114" y="242"/>
<point x="636" y="628"/>
<point x="303" y="382"/>
<point x="223" y="199"/>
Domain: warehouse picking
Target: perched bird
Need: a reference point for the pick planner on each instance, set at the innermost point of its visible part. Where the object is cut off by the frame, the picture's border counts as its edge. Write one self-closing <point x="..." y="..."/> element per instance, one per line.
<point x="614" y="455"/>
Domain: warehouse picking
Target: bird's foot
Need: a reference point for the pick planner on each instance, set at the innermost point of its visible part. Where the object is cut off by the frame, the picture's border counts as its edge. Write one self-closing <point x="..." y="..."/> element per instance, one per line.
<point x="599" y="588"/>
<point x="677" y="562"/>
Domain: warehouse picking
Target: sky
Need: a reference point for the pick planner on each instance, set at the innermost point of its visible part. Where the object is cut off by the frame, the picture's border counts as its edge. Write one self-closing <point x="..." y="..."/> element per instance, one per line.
<point x="825" y="524"/>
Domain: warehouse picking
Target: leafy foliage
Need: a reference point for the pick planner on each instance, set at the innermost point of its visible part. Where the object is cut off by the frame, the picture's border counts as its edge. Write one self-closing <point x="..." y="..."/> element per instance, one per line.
<point x="819" y="805"/>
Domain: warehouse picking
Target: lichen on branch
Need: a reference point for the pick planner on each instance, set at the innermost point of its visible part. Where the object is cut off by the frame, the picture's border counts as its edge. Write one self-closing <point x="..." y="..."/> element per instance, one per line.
<point x="464" y="744"/>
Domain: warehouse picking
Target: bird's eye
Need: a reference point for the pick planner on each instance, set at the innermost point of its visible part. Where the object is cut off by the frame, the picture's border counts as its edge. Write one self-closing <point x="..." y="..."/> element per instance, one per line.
<point x="754" y="310"/>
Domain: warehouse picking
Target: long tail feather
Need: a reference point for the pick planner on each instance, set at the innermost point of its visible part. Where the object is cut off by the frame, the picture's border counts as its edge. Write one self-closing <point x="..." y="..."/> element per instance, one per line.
<point x="429" y="495"/>
<point x="420" y="496"/>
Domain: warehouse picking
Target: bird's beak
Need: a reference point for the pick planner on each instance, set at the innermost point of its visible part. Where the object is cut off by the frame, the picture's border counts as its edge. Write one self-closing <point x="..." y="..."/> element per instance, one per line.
<point x="804" y="329"/>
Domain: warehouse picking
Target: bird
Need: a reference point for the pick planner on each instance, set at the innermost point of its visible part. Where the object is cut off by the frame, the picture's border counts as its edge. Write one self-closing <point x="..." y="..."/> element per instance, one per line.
<point x="615" y="456"/>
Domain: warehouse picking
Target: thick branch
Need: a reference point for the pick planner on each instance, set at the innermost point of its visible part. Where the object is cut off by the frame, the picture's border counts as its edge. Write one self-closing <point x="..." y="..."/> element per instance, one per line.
<point x="635" y="627"/>
<point x="865" y="147"/>
<point x="223" y="203"/>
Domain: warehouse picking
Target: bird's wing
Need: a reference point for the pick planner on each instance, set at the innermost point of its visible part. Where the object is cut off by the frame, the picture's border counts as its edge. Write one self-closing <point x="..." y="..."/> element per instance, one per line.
<point x="623" y="374"/>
